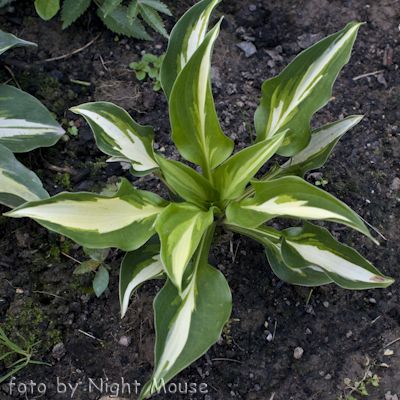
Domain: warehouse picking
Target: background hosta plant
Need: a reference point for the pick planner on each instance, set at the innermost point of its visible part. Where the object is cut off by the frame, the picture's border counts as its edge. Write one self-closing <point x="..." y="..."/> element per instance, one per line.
<point x="25" y="124"/>
<point x="171" y="239"/>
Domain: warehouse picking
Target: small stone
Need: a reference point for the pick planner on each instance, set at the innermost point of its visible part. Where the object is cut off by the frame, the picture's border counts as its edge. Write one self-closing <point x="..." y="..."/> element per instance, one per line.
<point x="125" y="341"/>
<point x="381" y="80"/>
<point x="58" y="351"/>
<point x="328" y="376"/>
<point x="19" y="291"/>
<point x="266" y="324"/>
<point x="251" y="376"/>
<point x="298" y="353"/>
<point x="395" y="185"/>
<point x="220" y="341"/>
<point x="372" y="300"/>
<point x="248" y="48"/>
<point x="269" y="337"/>
<point x="308" y="39"/>
<point x="326" y="304"/>
<point x="348" y="334"/>
<point x="321" y="373"/>
<point x="308" y="331"/>
<point x="252" y="8"/>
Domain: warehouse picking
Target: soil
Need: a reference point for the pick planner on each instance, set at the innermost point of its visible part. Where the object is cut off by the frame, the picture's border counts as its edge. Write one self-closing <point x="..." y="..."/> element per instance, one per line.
<point x="343" y="334"/>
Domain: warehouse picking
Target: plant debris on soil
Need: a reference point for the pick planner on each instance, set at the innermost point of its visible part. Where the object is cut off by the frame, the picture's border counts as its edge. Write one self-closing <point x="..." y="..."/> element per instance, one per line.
<point x="283" y="341"/>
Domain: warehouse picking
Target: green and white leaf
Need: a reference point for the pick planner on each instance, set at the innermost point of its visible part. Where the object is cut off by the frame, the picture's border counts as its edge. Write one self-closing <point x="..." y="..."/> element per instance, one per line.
<point x="125" y="220"/>
<point x="25" y="123"/>
<point x="71" y="10"/>
<point x="180" y="227"/>
<point x="186" y="37"/>
<point x="292" y="197"/>
<point x="47" y="9"/>
<point x="118" y="22"/>
<point x="7" y="40"/>
<point x="271" y="239"/>
<point x="195" y="126"/>
<point x="314" y="247"/>
<point x="138" y="267"/>
<point x="290" y="99"/>
<point x="234" y="174"/>
<point x="187" y="323"/>
<point x="119" y="136"/>
<point x="17" y="183"/>
<point x="323" y="140"/>
<point x="188" y="183"/>
<point x="100" y="281"/>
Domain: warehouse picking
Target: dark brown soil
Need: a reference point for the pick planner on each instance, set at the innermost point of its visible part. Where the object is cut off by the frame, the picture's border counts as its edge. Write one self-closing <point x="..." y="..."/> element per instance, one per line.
<point x="343" y="333"/>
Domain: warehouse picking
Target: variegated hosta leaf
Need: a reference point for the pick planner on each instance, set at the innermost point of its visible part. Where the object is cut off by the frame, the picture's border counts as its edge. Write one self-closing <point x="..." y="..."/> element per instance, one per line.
<point x="233" y="175"/>
<point x="271" y="239"/>
<point x="25" y="123"/>
<point x="290" y="99"/>
<point x="314" y="247"/>
<point x="181" y="227"/>
<point x="323" y="140"/>
<point x="188" y="183"/>
<point x="125" y="220"/>
<point x="185" y="38"/>
<point x="118" y="135"/>
<point x="138" y="267"/>
<point x="187" y="323"/>
<point x="17" y="183"/>
<point x="292" y="197"/>
<point x="7" y="40"/>
<point x="195" y="126"/>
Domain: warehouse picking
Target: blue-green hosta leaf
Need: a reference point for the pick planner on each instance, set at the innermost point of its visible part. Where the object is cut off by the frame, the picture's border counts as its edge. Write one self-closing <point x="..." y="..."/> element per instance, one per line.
<point x="292" y="197"/>
<point x="119" y="136"/>
<point x="188" y="323"/>
<point x="138" y="267"/>
<point x="233" y="175"/>
<point x="180" y="227"/>
<point x="47" y="9"/>
<point x="186" y="37"/>
<point x="7" y="40"/>
<point x="188" y="183"/>
<point x="17" y="183"/>
<point x="195" y="126"/>
<point x="125" y="220"/>
<point x="323" y="140"/>
<point x="25" y="123"/>
<point x="314" y="247"/>
<point x="271" y="239"/>
<point x="100" y="281"/>
<point x="290" y="99"/>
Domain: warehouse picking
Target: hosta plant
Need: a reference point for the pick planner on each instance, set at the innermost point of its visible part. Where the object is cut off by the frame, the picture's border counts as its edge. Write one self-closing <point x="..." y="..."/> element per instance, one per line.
<point x="171" y="239"/>
<point x="25" y="124"/>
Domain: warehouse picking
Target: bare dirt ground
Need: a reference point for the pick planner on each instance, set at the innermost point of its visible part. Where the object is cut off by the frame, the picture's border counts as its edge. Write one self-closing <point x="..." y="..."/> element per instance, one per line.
<point x="344" y="334"/>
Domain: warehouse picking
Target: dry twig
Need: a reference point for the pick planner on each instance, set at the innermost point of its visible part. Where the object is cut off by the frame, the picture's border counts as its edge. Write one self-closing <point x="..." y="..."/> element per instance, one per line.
<point x="75" y="51"/>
